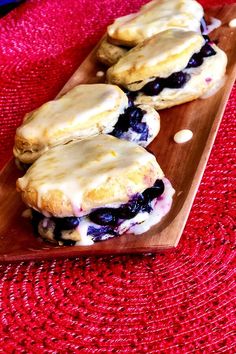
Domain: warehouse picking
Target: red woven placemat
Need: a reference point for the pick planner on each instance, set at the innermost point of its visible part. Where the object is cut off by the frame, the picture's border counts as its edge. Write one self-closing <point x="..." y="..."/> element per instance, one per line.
<point x="176" y="302"/>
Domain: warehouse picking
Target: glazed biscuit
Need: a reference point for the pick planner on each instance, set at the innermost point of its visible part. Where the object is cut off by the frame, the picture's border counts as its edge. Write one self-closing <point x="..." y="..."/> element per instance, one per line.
<point x="160" y="75"/>
<point x="203" y="79"/>
<point x="94" y="189"/>
<point x="155" y="17"/>
<point x="86" y="110"/>
<point x="159" y="56"/>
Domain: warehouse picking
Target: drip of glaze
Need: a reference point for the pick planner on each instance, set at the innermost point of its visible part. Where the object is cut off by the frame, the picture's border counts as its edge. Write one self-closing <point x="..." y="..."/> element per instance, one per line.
<point x="183" y="136"/>
<point x="215" y="23"/>
<point x="232" y="23"/>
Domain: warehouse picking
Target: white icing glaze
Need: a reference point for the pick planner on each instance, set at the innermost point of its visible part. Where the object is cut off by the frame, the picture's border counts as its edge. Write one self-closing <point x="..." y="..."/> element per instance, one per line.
<point x="78" y="171"/>
<point x="159" y="56"/>
<point x="232" y="23"/>
<point x="183" y="136"/>
<point x="84" y="111"/>
<point x="100" y="73"/>
<point x="155" y="17"/>
<point x="215" y="23"/>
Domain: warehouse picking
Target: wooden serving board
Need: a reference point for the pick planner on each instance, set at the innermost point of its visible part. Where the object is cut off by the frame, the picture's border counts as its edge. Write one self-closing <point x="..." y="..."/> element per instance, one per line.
<point x="183" y="165"/>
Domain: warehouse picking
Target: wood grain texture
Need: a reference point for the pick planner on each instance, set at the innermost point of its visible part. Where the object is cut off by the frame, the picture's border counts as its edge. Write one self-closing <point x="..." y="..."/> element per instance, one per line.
<point x="183" y="165"/>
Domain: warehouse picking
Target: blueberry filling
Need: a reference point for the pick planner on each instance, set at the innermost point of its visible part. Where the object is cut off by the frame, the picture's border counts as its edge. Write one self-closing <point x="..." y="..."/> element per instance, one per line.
<point x="98" y="233"/>
<point x="36" y="218"/>
<point x="132" y="208"/>
<point x="106" y="219"/>
<point x="177" y="79"/>
<point x="68" y="242"/>
<point x="104" y="216"/>
<point x="67" y="223"/>
<point x="195" y="61"/>
<point x="131" y="119"/>
<point x="206" y="37"/>
<point x="154" y="87"/>
<point x="207" y="51"/>
<point x="131" y="97"/>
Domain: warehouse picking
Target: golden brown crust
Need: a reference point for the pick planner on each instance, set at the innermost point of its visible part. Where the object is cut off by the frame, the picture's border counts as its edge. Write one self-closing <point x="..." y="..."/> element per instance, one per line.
<point x="54" y="202"/>
<point x="122" y="42"/>
<point x="109" y="53"/>
<point x="28" y="149"/>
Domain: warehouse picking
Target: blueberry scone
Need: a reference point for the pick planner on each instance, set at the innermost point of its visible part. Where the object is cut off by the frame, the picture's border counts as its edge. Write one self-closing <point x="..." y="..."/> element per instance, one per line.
<point x="95" y="189"/>
<point x="86" y="110"/>
<point x="170" y="68"/>
<point x="154" y="17"/>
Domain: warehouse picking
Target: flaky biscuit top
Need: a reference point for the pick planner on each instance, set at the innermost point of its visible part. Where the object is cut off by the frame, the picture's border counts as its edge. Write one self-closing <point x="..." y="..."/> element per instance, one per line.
<point x="159" y="56"/>
<point x="75" y="178"/>
<point x="155" y="17"/>
<point x="84" y="111"/>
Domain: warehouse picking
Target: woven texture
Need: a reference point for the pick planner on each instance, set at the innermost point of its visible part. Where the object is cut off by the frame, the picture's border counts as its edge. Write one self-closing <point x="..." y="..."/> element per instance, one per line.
<point x="181" y="301"/>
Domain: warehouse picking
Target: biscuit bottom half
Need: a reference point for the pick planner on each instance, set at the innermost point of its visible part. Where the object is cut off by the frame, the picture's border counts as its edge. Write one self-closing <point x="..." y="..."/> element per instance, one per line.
<point x="137" y="216"/>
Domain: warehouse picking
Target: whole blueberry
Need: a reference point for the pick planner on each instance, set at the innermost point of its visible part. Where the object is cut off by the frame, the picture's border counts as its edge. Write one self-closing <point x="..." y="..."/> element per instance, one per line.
<point x="98" y="232"/>
<point x="177" y="80"/>
<point x="160" y="185"/>
<point x="134" y="113"/>
<point x="132" y="208"/>
<point x="195" y="61"/>
<point x="122" y="123"/>
<point x="207" y="50"/>
<point x="104" y="216"/>
<point x="145" y="134"/>
<point x="67" y="223"/>
<point x="151" y="193"/>
<point x="130" y="102"/>
<point x="153" y="88"/>
<point x="207" y="39"/>
<point x="117" y="133"/>
<point x="131" y="96"/>
<point x="36" y="218"/>
<point x="140" y="128"/>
